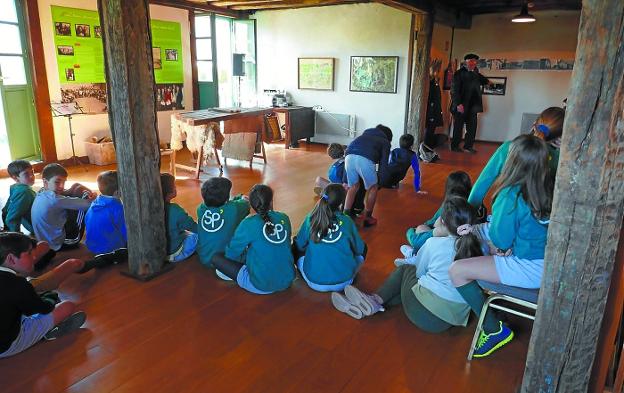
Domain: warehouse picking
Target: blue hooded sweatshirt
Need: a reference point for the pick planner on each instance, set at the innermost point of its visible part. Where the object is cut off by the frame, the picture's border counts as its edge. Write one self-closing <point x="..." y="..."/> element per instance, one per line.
<point x="374" y="145"/>
<point x="105" y="225"/>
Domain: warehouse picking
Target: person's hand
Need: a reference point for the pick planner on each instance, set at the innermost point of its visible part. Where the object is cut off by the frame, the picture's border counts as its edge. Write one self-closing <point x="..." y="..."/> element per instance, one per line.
<point x="421" y="192"/>
<point x="503" y="253"/>
<point x="460" y="108"/>
<point x="422" y="228"/>
<point x="92" y="196"/>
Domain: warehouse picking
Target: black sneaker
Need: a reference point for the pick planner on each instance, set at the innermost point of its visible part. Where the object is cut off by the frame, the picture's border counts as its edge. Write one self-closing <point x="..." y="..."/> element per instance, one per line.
<point x="74" y="322"/>
<point x="106" y="259"/>
<point x="470" y="150"/>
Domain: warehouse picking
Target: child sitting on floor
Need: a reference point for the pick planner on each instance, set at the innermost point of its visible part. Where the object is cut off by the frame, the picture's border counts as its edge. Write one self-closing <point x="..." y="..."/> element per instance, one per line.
<point x="429" y="299"/>
<point x="181" y="228"/>
<point x="333" y="248"/>
<point x="58" y="214"/>
<point x="25" y="317"/>
<point x="218" y="218"/>
<point x="259" y="257"/>
<point x="105" y="224"/>
<point x="399" y="162"/>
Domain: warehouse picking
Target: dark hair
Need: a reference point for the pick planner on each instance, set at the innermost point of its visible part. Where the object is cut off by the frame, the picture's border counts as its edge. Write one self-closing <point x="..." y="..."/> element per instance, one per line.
<point x="406" y="141"/>
<point x="335" y="150"/>
<point x="552" y="118"/>
<point x="167" y="183"/>
<point x="458" y="184"/>
<point x="261" y="199"/>
<point x="216" y="191"/>
<point x="528" y="166"/>
<point x="51" y="170"/>
<point x="108" y="182"/>
<point x="325" y="210"/>
<point x="18" y="166"/>
<point x="386" y="130"/>
<point x="14" y="243"/>
<point x="456" y="211"/>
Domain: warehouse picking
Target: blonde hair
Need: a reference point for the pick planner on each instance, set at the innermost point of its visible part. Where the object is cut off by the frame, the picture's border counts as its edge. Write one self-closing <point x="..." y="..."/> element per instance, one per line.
<point x="553" y="119"/>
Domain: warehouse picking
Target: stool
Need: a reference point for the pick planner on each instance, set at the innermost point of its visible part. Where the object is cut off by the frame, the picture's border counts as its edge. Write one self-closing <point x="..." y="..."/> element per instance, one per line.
<point x="521" y="296"/>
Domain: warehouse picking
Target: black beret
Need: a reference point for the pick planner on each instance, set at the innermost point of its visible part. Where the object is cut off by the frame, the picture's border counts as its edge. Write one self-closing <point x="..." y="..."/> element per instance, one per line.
<point x="471" y="56"/>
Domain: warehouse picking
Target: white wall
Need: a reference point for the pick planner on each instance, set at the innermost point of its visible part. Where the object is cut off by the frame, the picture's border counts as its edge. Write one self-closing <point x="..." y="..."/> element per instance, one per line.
<point x="339" y="32"/>
<point x="552" y="36"/>
<point x="85" y="126"/>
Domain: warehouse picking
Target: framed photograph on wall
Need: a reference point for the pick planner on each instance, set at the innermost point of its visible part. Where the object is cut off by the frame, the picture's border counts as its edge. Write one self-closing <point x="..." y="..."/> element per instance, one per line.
<point x="315" y="73"/>
<point x="498" y="87"/>
<point x="374" y="74"/>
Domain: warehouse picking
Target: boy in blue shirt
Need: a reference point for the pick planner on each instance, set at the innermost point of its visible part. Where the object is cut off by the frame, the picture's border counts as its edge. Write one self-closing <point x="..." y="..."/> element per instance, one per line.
<point x="218" y="217"/>
<point x="400" y="160"/>
<point x="105" y="224"/>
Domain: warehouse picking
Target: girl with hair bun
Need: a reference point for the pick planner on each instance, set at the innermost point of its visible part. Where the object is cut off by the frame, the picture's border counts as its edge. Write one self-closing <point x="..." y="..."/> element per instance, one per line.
<point x="329" y="248"/>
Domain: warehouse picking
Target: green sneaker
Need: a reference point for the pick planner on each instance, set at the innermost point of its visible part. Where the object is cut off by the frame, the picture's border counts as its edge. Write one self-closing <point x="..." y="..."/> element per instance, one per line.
<point x="489" y="343"/>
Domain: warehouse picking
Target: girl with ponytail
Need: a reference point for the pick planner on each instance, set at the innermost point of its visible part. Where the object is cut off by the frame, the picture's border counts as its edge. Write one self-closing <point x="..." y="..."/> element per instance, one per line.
<point x="259" y="257"/>
<point x="424" y="288"/>
<point x="330" y="251"/>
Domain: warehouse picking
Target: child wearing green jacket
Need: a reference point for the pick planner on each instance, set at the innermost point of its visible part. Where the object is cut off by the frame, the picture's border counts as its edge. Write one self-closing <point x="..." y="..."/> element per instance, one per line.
<point x="259" y="257"/>
<point x="329" y="248"/>
<point x="218" y="217"/>
<point x="16" y="212"/>
<point x="181" y="228"/>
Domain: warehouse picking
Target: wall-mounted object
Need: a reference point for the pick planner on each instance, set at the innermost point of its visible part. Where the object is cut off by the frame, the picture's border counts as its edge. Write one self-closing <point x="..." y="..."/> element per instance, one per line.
<point x="498" y="86"/>
<point x="315" y="73"/>
<point x="374" y="74"/>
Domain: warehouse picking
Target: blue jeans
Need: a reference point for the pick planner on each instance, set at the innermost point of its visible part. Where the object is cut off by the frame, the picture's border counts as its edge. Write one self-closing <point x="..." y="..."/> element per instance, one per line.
<point x="189" y="245"/>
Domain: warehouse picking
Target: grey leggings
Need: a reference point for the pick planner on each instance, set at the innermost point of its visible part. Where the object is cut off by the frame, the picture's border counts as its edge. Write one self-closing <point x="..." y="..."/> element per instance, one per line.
<point x="397" y="289"/>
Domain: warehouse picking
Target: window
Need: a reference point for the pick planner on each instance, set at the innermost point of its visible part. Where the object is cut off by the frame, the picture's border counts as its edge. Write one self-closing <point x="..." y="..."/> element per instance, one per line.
<point x="203" y="48"/>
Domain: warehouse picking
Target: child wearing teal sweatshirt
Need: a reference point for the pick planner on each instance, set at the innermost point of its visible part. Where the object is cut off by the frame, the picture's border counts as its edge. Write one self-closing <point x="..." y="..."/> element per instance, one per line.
<point x="333" y="248"/>
<point x="259" y="257"/>
<point x="516" y="235"/>
<point x="181" y="228"/>
<point x="16" y="212"/>
<point x="218" y="217"/>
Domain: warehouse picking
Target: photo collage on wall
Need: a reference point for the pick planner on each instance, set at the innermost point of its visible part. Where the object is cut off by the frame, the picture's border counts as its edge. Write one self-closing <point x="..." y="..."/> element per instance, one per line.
<point x="169" y="96"/>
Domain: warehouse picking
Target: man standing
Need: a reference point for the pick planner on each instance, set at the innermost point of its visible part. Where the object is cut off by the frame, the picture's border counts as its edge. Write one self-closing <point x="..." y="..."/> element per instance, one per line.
<point x="466" y="102"/>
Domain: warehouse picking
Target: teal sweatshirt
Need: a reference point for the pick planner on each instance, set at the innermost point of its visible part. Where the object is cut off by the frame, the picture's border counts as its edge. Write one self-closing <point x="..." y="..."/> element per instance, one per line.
<point x="178" y="221"/>
<point x="333" y="259"/>
<point x="16" y="211"/>
<point x="216" y="226"/>
<point x="494" y="167"/>
<point x="514" y="226"/>
<point x="268" y="256"/>
<point x="416" y="240"/>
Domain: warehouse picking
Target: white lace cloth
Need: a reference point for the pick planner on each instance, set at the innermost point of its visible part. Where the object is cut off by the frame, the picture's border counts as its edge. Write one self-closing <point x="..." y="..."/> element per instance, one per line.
<point x="209" y="136"/>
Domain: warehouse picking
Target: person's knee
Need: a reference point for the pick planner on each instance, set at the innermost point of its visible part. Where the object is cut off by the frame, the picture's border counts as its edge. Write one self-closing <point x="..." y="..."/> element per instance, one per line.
<point x="62" y="311"/>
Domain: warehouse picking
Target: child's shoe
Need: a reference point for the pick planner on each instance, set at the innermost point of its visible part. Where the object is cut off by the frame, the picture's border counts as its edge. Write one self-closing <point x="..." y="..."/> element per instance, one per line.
<point x="222" y="276"/>
<point x="343" y="305"/>
<point x="74" y="322"/>
<point x="489" y="343"/>
<point x="370" y="221"/>
<point x="405" y="261"/>
<point x="369" y="304"/>
<point x="407" y="250"/>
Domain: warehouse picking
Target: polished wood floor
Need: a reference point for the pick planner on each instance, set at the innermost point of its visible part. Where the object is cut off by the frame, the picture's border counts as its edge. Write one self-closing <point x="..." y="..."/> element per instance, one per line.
<point x="187" y="331"/>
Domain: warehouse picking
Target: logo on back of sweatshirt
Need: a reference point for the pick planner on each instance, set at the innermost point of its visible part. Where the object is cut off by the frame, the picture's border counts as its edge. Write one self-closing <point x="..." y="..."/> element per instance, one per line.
<point x="333" y="233"/>
<point x="212" y="221"/>
<point x="279" y="235"/>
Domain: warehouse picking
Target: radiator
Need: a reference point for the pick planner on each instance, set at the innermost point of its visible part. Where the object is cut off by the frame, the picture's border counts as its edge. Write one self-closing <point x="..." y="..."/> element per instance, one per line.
<point x="334" y="128"/>
<point x="528" y="119"/>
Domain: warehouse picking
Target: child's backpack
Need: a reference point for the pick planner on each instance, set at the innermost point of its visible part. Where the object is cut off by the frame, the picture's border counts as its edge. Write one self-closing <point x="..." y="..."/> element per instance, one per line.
<point x="427" y="154"/>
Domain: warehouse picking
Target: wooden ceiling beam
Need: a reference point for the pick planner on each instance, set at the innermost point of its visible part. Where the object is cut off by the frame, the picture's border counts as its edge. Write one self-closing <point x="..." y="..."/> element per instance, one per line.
<point x="444" y="15"/>
<point x="222" y="3"/>
<point x="288" y="4"/>
<point x="202" y="7"/>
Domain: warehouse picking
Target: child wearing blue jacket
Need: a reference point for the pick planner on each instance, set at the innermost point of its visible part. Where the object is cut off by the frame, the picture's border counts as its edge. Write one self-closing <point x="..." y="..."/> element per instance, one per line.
<point x="334" y="251"/>
<point x="104" y="221"/>
<point x="399" y="162"/>
<point x="259" y="256"/>
<point x="516" y="235"/>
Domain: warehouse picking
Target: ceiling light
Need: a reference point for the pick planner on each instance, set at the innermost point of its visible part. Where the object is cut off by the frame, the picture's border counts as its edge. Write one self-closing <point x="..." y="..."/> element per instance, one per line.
<point x="523" y="16"/>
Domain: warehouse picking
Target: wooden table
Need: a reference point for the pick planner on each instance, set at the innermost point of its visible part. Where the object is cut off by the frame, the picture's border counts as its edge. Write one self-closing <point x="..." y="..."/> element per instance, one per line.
<point x="235" y="120"/>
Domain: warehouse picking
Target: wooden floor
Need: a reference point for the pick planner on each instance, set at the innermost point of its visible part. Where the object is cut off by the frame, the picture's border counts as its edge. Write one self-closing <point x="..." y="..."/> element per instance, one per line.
<point x="188" y="331"/>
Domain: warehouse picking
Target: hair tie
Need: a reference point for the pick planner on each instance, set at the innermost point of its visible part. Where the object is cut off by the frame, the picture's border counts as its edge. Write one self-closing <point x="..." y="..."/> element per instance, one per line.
<point x="464" y="229"/>
<point x="325" y="197"/>
<point x="543" y="128"/>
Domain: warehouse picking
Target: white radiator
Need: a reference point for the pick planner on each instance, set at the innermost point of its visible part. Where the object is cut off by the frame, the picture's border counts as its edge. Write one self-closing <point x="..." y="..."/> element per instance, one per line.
<point x="333" y="128"/>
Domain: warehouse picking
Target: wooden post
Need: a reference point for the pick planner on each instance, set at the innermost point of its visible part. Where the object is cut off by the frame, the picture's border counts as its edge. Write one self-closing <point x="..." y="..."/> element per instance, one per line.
<point x="419" y="88"/>
<point x="587" y="209"/>
<point x="132" y="118"/>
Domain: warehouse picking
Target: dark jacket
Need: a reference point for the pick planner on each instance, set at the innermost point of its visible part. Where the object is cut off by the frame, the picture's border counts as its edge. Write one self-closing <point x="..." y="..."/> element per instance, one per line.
<point x="434" y="105"/>
<point x="466" y="90"/>
<point x="373" y="145"/>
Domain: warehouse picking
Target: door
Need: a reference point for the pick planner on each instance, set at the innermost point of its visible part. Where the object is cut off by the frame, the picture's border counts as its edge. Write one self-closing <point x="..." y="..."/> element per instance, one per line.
<point x="206" y="53"/>
<point x="19" y="133"/>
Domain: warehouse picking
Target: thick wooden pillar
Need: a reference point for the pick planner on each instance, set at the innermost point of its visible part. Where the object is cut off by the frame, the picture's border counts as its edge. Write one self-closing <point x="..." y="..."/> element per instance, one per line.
<point x="587" y="209"/>
<point x="132" y="118"/>
<point x="419" y="86"/>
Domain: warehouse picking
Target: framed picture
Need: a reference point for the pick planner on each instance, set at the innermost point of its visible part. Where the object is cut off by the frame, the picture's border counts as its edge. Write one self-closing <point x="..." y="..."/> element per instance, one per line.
<point x="316" y="73"/>
<point x="97" y="31"/>
<point x="69" y="74"/>
<point x="83" y="31"/>
<point x="374" y="74"/>
<point x="62" y="28"/>
<point x="171" y="54"/>
<point x="498" y="87"/>
<point x="157" y="59"/>
<point x="65" y="50"/>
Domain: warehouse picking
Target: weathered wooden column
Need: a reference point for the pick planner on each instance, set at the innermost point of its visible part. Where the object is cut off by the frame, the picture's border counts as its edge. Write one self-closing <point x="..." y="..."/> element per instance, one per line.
<point x="419" y="86"/>
<point x="587" y="209"/>
<point x="132" y="118"/>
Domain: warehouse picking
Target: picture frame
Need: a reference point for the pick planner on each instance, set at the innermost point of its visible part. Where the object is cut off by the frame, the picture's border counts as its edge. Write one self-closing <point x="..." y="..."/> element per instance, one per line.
<point x="315" y="73"/>
<point x="156" y="57"/>
<point x="83" y="30"/>
<point x="171" y="54"/>
<point x="65" y="50"/>
<point x="374" y="74"/>
<point x="97" y="31"/>
<point x="498" y="88"/>
<point x="62" y="28"/>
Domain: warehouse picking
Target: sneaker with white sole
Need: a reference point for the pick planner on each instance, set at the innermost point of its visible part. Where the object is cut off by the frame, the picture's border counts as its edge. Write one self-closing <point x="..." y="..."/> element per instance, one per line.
<point x="343" y="305"/>
<point x="74" y="322"/>
<point x="407" y="250"/>
<point x="405" y="261"/>
<point x="222" y="276"/>
<point x="367" y="303"/>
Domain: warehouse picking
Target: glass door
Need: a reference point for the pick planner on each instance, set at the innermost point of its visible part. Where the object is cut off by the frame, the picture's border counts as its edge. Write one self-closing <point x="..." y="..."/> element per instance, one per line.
<point x="206" y="71"/>
<point x="19" y="134"/>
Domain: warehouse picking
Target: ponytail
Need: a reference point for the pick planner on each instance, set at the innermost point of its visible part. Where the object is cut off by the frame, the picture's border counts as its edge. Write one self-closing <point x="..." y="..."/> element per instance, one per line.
<point x="459" y="217"/>
<point x="261" y="200"/>
<point x="324" y="212"/>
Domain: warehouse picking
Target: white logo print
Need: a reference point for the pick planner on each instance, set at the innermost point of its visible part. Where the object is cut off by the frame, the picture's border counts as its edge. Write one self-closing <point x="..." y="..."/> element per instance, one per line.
<point x="333" y="234"/>
<point x="212" y="222"/>
<point x="279" y="234"/>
